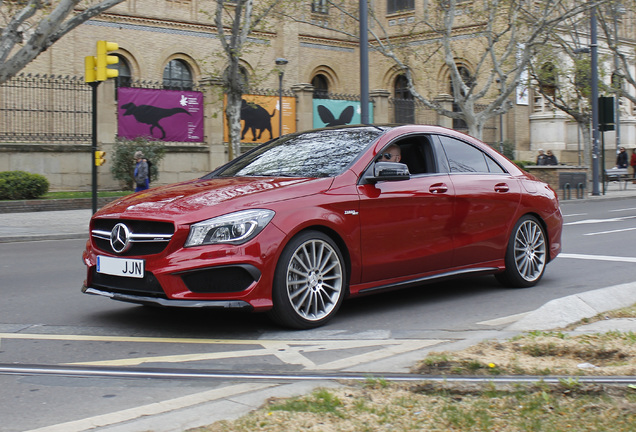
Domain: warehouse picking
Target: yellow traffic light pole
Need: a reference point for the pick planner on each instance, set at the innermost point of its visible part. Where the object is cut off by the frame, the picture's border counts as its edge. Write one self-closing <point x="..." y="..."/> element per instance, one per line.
<point x="95" y="71"/>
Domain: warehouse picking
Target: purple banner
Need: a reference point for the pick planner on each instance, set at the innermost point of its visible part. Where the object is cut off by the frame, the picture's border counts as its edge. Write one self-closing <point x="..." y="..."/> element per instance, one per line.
<point x="160" y="115"/>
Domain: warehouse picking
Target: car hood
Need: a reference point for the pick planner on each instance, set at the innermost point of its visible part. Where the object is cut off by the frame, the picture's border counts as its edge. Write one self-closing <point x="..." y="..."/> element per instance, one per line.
<point x="199" y="199"/>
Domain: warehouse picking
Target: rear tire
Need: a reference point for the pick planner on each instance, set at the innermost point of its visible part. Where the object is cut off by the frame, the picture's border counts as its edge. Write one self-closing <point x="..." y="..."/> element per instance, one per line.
<point x="526" y="255"/>
<point x="309" y="283"/>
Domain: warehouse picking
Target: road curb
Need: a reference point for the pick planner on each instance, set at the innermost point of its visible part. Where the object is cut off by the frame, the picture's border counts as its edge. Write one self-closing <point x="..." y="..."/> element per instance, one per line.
<point x="564" y="311"/>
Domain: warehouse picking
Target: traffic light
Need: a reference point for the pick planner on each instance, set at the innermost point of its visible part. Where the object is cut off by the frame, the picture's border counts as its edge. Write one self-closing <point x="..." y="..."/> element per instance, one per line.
<point x="103" y="60"/>
<point x="89" y="69"/>
<point x="606" y="113"/>
<point x="100" y="157"/>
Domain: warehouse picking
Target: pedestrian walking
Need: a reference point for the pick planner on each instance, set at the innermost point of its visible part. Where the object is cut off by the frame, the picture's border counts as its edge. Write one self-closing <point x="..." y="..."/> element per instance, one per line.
<point x="142" y="180"/>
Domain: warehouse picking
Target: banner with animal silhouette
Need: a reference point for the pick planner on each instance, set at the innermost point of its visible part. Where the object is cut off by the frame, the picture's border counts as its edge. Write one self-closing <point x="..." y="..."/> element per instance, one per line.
<point x="260" y="117"/>
<point x="161" y="115"/>
<point x="331" y="112"/>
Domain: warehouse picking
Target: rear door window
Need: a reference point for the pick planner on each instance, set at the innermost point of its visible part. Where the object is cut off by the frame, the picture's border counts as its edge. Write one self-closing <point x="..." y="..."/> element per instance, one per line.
<point x="464" y="158"/>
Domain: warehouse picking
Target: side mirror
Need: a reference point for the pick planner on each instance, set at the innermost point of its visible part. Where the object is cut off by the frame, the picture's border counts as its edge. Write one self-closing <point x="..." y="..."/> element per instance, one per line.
<point x="386" y="171"/>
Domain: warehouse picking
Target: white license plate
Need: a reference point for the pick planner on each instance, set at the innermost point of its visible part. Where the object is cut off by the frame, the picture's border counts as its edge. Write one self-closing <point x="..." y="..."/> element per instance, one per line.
<point x="120" y="266"/>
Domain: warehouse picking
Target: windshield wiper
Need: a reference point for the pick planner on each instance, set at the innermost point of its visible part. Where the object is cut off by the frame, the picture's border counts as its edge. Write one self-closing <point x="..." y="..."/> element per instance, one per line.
<point x="269" y="175"/>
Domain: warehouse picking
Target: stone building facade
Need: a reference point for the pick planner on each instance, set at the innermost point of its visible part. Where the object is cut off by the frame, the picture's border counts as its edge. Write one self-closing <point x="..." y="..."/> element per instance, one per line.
<point x="175" y="41"/>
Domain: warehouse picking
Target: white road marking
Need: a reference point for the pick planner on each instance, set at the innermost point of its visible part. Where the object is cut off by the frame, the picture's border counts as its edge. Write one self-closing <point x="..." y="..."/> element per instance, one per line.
<point x="625" y="209"/>
<point x="596" y="221"/>
<point x="574" y="214"/>
<point x="598" y="257"/>
<point x="610" y="232"/>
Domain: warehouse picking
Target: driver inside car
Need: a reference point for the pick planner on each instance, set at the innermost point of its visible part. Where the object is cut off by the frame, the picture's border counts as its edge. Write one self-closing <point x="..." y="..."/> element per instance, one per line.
<point x="391" y="154"/>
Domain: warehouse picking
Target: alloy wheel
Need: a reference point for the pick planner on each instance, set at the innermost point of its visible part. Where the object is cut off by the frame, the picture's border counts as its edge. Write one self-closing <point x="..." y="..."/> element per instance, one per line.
<point x="314" y="279"/>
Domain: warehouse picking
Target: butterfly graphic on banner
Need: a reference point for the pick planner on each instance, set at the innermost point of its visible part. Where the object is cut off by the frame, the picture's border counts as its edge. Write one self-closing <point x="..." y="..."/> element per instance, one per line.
<point x="327" y="117"/>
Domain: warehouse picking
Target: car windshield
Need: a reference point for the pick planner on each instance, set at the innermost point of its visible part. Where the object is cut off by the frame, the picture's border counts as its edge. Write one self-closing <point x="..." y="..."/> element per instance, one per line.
<point x="322" y="153"/>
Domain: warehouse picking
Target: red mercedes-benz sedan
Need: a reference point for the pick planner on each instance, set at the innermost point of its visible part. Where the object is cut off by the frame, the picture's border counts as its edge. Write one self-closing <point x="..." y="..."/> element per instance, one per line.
<point x="299" y="223"/>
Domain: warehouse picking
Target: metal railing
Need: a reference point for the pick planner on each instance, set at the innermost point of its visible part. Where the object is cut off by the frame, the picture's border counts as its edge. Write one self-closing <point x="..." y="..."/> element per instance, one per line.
<point x="45" y="109"/>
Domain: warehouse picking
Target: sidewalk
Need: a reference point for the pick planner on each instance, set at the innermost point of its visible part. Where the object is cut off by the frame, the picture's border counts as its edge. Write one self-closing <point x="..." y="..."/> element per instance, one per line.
<point x="45" y="225"/>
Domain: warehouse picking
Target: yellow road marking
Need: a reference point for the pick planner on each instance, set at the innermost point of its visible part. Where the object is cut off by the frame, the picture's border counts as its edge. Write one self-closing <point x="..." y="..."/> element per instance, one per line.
<point x="153" y="409"/>
<point x="289" y="352"/>
<point x="33" y="336"/>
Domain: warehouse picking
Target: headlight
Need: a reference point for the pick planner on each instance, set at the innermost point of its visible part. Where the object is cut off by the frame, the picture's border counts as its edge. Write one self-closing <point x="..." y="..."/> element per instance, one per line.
<point x="233" y="228"/>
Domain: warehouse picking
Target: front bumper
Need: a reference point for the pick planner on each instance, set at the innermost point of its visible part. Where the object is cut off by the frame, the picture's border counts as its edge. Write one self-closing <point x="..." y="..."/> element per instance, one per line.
<point x="153" y="301"/>
<point x="211" y="276"/>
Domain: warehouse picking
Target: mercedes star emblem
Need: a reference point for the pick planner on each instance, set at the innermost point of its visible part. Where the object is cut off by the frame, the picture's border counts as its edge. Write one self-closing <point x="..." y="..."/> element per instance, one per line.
<point x="120" y="238"/>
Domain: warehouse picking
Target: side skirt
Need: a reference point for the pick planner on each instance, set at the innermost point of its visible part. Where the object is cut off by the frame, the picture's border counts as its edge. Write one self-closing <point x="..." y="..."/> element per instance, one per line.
<point x="429" y="279"/>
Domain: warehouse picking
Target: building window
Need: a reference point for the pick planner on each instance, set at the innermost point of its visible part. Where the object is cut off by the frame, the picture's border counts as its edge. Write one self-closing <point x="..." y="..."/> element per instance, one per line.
<point x="548" y="79"/>
<point x="245" y="78"/>
<point x="393" y="6"/>
<point x="464" y="73"/>
<point x="583" y="76"/>
<point x="321" y="87"/>
<point x="124" y="77"/>
<point x="177" y="75"/>
<point x="319" y="6"/>
<point x="446" y="3"/>
<point x="404" y="105"/>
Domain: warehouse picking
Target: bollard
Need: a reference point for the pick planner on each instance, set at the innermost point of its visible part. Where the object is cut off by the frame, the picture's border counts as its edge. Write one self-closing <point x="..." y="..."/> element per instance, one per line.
<point x="580" y="190"/>
<point x="567" y="191"/>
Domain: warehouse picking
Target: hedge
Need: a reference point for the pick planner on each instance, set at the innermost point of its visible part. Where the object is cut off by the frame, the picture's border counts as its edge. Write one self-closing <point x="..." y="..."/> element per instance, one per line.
<point x="18" y="185"/>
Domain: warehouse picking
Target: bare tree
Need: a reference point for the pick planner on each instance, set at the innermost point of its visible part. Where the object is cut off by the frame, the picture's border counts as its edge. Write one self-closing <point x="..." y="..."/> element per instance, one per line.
<point x="235" y="21"/>
<point x="30" y="27"/>
<point x="495" y="38"/>
<point x="562" y="72"/>
<point x="610" y="21"/>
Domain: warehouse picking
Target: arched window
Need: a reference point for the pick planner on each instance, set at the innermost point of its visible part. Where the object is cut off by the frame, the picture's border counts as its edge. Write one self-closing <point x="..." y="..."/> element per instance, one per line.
<point x="404" y="105"/>
<point x="320" y="6"/>
<point x="617" y="81"/>
<point x="466" y="77"/>
<point x="548" y="79"/>
<point x="244" y="78"/>
<point x="123" y="67"/>
<point x="321" y="87"/>
<point x="177" y="75"/>
<point x="464" y="73"/>
<point x="399" y="5"/>
<point x="583" y="76"/>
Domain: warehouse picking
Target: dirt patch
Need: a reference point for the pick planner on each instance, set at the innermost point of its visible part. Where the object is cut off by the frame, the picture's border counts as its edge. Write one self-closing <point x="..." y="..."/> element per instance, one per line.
<point x="545" y="353"/>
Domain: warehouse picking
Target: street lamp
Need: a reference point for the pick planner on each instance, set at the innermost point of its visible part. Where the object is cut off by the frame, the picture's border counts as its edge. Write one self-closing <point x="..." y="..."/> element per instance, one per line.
<point x="594" y="66"/>
<point x="280" y="64"/>
<point x="501" y="149"/>
<point x="594" y="100"/>
<point x="618" y="11"/>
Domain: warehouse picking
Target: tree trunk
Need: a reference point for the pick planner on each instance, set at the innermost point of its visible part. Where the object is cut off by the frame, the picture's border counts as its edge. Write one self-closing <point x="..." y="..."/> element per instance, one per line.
<point x="233" y="113"/>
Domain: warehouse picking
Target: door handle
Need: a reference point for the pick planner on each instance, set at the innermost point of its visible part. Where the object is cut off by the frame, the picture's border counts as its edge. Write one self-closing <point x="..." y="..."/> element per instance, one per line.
<point x="438" y="188"/>
<point x="501" y="187"/>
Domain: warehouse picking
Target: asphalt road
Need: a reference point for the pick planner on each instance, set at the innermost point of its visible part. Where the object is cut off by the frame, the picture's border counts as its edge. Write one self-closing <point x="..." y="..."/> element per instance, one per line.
<point x="45" y="320"/>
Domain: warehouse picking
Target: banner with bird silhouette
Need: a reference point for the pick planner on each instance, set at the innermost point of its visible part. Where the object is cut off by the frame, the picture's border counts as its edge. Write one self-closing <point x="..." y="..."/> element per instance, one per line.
<point x="332" y="112"/>
<point x="160" y="115"/>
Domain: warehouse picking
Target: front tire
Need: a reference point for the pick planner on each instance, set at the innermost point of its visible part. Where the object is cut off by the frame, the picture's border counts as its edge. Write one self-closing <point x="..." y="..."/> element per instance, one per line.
<point x="526" y="255"/>
<point x="309" y="283"/>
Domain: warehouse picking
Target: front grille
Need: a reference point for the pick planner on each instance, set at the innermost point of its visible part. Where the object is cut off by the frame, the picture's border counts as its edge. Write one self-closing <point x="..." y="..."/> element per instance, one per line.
<point x="147" y="237"/>
<point x="221" y="279"/>
<point x="148" y="286"/>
